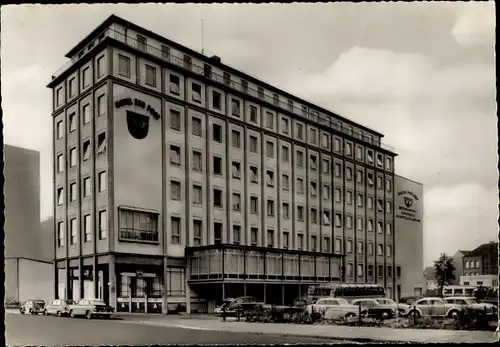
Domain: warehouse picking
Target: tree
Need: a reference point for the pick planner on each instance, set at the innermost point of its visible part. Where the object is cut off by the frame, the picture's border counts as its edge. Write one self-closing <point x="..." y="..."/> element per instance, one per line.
<point x="444" y="271"/>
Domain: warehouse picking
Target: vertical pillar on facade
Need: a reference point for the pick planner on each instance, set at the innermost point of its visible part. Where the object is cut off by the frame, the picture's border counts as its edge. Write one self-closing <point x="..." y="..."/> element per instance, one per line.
<point x="69" y="295"/>
<point x="56" y="282"/>
<point x="244" y="289"/>
<point x="265" y="292"/>
<point x="164" y="305"/>
<point x="80" y="276"/>
<point x="112" y="285"/>
<point x="95" y="277"/>
<point x="188" y="290"/>
<point x="282" y="294"/>
<point x="223" y="291"/>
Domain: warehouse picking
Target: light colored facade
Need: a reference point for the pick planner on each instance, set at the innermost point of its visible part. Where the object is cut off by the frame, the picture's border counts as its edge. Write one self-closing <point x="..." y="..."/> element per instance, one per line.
<point x="177" y="174"/>
<point x="409" y="207"/>
<point x="480" y="280"/>
<point x="28" y="279"/>
<point x="483" y="260"/>
<point x="458" y="264"/>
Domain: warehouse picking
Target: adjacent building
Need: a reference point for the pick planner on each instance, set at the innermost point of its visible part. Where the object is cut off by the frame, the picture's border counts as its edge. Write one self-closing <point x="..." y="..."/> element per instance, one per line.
<point x="480" y="266"/>
<point x="28" y="274"/>
<point x="458" y="264"/>
<point x="180" y="181"/>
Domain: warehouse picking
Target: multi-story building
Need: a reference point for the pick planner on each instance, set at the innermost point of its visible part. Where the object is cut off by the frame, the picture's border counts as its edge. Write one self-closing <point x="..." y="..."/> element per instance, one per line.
<point x="458" y="264"/>
<point x="483" y="260"/>
<point x="179" y="179"/>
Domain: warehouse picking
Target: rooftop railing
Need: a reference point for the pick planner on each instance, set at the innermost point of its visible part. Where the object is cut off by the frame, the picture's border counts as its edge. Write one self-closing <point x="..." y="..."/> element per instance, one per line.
<point x="312" y="115"/>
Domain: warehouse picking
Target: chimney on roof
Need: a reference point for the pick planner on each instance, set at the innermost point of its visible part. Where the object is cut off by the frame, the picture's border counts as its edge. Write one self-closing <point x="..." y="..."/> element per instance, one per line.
<point x="215" y="58"/>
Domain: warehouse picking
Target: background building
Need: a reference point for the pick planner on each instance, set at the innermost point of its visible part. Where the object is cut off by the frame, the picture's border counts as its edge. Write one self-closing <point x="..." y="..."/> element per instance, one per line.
<point x="28" y="272"/>
<point x="458" y="264"/>
<point x="179" y="179"/>
<point x="482" y="261"/>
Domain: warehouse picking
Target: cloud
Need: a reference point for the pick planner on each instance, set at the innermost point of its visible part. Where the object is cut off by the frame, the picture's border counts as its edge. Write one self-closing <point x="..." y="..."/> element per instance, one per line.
<point x="473" y="24"/>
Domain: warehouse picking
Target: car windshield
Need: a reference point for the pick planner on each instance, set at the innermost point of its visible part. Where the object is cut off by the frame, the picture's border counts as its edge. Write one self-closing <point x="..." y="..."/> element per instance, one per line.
<point x="472" y="301"/>
<point x="69" y="302"/>
<point x="385" y="301"/>
<point x="97" y="302"/>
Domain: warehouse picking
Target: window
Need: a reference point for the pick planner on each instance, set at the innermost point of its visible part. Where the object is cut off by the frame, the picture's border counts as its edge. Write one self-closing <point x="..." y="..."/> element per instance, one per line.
<point x="73" y="231"/>
<point x="349" y="246"/>
<point x="337" y="145"/>
<point x="254" y="174"/>
<point x="60" y="234"/>
<point x="326" y="166"/>
<point x="270" y="238"/>
<point x="313" y="164"/>
<point x="338" y="245"/>
<point x="398" y="271"/>
<point x="176" y="282"/>
<point x="253" y="236"/>
<point x="326" y="244"/>
<point x="370" y="248"/>
<point x="216" y="100"/>
<point x="326" y="217"/>
<point x="86" y="114"/>
<point x="270" y="178"/>
<point x="175" y="84"/>
<point x="196" y="126"/>
<point x="338" y="220"/>
<point x="218" y="198"/>
<point x="235" y="107"/>
<point x="101" y="143"/>
<point x="300" y="242"/>
<point x="227" y="78"/>
<point x="359" y="224"/>
<point x="380" y="182"/>
<point x="188" y="64"/>
<point x="388" y="251"/>
<point x="326" y="192"/>
<point x="359" y="200"/>
<point x="141" y="43"/>
<point x="269" y="120"/>
<point x="175" y="190"/>
<point x="197" y="227"/>
<point x="369" y="202"/>
<point x="175" y="155"/>
<point x="236" y="139"/>
<point x="314" y="216"/>
<point x="207" y="71"/>
<point x="360" y="270"/>
<point x="300" y="131"/>
<point x="102" y="182"/>
<point x="72" y="157"/>
<point x="300" y="213"/>
<point x="380" y="249"/>
<point x="150" y="75"/>
<point x="197" y="161"/>
<point x="270" y="208"/>
<point x="236" y="234"/>
<point x="360" y="247"/>
<point x="276" y="99"/>
<point x="254" y="204"/>
<point x="244" y="86"/>
<point x="72" y="192"/>
<point x="359" y="176"/>
<point x="389" y="271"/>
<point x="175" y="230"/>
<point x="72" y="89"/>
<point x="72" y="122"/>
<point x="59" y="96"/>
<point x="304" y="110"/>
<point x="236" y="202"/>
<point x="60" y="163"/>
<point x="338" y="195"/>
<point x="236" y="170"/>
<point x="313" y="136"/>
<point x="388" y="163"/>
<point x="300" y="186"/>
<point x="86" y="187"/>
<point x="284" y="125"/>
<point x="290" y="105"/>
<point x="379" y="160"/>
<point x="217" y="233"/>
<point x="86" y="150"/>
<point x="325" y="140"/>
<point x="197" y="194"/>
<point x="217" y="166"/>
<point x="300" y="159"/>
<point x="348" y="173"/>
<point x="175" y="120"/>
<point x="369" y="154"/>
<point x="370" y="225"/>
<point x="388" y="185"/>
<point x="349" y="222"/>
<point x="86" y="77"/>
<point x="285" y="154"/>
<point x="359" y="152"/>
<point x="101" y="105"/>
<point x="253" y="144"/>
<point x="388" y="207"/>
<point x="380" y="271"/>
<point x="314" y="189"/>
<point x="100" y="67"/>
<point x="286" y="240"/>
<point x="87" y="230"/>
<point x="314" y="243"/>
<point x="348" y="197"/>
<point x="286" y="210"/>
<point x="270" y="149"/>
<point x="348" y="149"/>
<point x="123" y="66"/>
<point x="260" y="92"/>
<point x="380" y="205"/>
<point x="253" y="114"/>
<point x="338" y="170"/>
<point x="217" y="133"/>
<point x="196" y="95"/>
<point x="370" y="179"/>
<point x="165" y="52"/>
<point x="379" y="227"/>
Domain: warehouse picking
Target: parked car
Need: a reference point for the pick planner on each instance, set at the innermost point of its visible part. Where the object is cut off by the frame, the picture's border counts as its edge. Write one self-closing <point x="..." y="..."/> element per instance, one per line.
<point x="90" y="308"/>
<point x="433" y="306"/>
<point x="58" y="307"/>
<point x="12" y="304"/>
<point x="231" y="305"/>
<point x="226" y="303"/>
<point x="32" y="306"/>
<point x="333" y="308"/>
<point x="473" y="303"/>
<point x="380" y="308"/>
<point x="408" y="299"/>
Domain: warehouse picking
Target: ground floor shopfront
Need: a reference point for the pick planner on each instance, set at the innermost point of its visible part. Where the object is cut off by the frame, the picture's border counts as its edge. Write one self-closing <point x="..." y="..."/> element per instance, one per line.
<point x="197" y="282"/>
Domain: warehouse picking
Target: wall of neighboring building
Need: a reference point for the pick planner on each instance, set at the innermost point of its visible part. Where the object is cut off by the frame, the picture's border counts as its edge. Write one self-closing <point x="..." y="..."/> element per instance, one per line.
<point x="458" y="263"/>
<point x="472" y="266"/>
<point x="483" y="280"/>
<point x="409" y="235"/>
<point x="10" y="283"/>
<point x="22" y="202"/>
<point x="28" y="279"/>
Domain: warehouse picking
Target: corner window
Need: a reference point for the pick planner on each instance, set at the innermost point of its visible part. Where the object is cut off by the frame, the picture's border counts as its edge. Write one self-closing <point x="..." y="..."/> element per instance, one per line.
<point x="196" y="89"/>
<point x="123" y="66"/>
<point x="175" y="84"/>
<point x="150" y="76"/>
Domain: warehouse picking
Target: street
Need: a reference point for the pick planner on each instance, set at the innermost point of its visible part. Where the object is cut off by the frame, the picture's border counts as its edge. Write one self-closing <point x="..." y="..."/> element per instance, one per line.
<point x="22" y="330"/>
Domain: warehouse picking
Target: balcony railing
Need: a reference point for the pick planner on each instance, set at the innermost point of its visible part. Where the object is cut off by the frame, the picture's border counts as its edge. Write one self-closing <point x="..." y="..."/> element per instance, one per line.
<point x="312" y="115"/>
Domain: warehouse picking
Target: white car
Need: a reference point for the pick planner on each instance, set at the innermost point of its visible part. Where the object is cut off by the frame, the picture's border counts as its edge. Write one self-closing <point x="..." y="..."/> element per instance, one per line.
<point x="472" y="303"/>
<point x="433" y="307"/>
<point x="333" y="308"/>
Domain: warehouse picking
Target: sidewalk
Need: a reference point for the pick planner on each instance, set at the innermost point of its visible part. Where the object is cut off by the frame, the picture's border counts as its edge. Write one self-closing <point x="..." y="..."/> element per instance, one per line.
<point x="359" y="334"/>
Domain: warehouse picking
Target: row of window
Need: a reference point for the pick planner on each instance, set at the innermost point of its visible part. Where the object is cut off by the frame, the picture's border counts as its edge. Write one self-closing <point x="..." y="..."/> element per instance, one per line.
<point x="86" y="151"/>
<point x="87" y="229"/>
<point x="218" y="136"/>
<point x="85" y="81"/>
<point x="86" y="188"/>
<point x="86" y="117"/>
<point x="206" y="70"/>
<point x="472" y="264"/>
<point x="370" y="269"/>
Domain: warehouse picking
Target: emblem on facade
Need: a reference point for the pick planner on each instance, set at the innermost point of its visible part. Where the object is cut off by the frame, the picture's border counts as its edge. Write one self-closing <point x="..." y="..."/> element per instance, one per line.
<point x="138" y="125"/>
<point x="408" y="201"/>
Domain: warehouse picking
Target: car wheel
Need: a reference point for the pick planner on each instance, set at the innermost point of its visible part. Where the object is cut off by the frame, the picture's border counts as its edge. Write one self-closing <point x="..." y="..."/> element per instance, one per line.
<point x="386" y="315"/>
<point x="72" y="314"/>
<point x="21" y="310"/>
<point x="350" y="315"/>
<point x="59" y="314"/>
<point x="88" y="315"/>
<point x="45" y="313"/>
<point x="414" y="313"/>
<point x="453" y="314"/>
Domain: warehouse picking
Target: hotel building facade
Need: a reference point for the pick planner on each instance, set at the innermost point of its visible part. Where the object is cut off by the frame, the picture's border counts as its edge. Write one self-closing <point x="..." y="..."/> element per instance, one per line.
<point x="180" y="181"/>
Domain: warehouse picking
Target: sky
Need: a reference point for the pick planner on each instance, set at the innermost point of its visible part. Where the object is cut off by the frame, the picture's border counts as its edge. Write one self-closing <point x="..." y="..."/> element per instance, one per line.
<point x="421" y="73"/>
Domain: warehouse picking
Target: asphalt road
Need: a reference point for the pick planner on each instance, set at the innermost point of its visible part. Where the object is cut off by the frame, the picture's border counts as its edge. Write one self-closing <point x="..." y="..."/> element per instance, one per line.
<point x="22" y="330"/>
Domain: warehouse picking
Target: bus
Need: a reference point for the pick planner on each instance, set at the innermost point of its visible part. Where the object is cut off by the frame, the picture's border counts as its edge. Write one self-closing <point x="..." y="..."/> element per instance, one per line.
<point x="348" y="291"/>
<point x="456" y="290"/>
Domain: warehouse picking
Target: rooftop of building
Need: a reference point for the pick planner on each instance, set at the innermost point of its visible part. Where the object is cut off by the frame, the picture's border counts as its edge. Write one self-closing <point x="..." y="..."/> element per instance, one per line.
<point x="215" y="62"/>
<point x="484" y="248"/>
